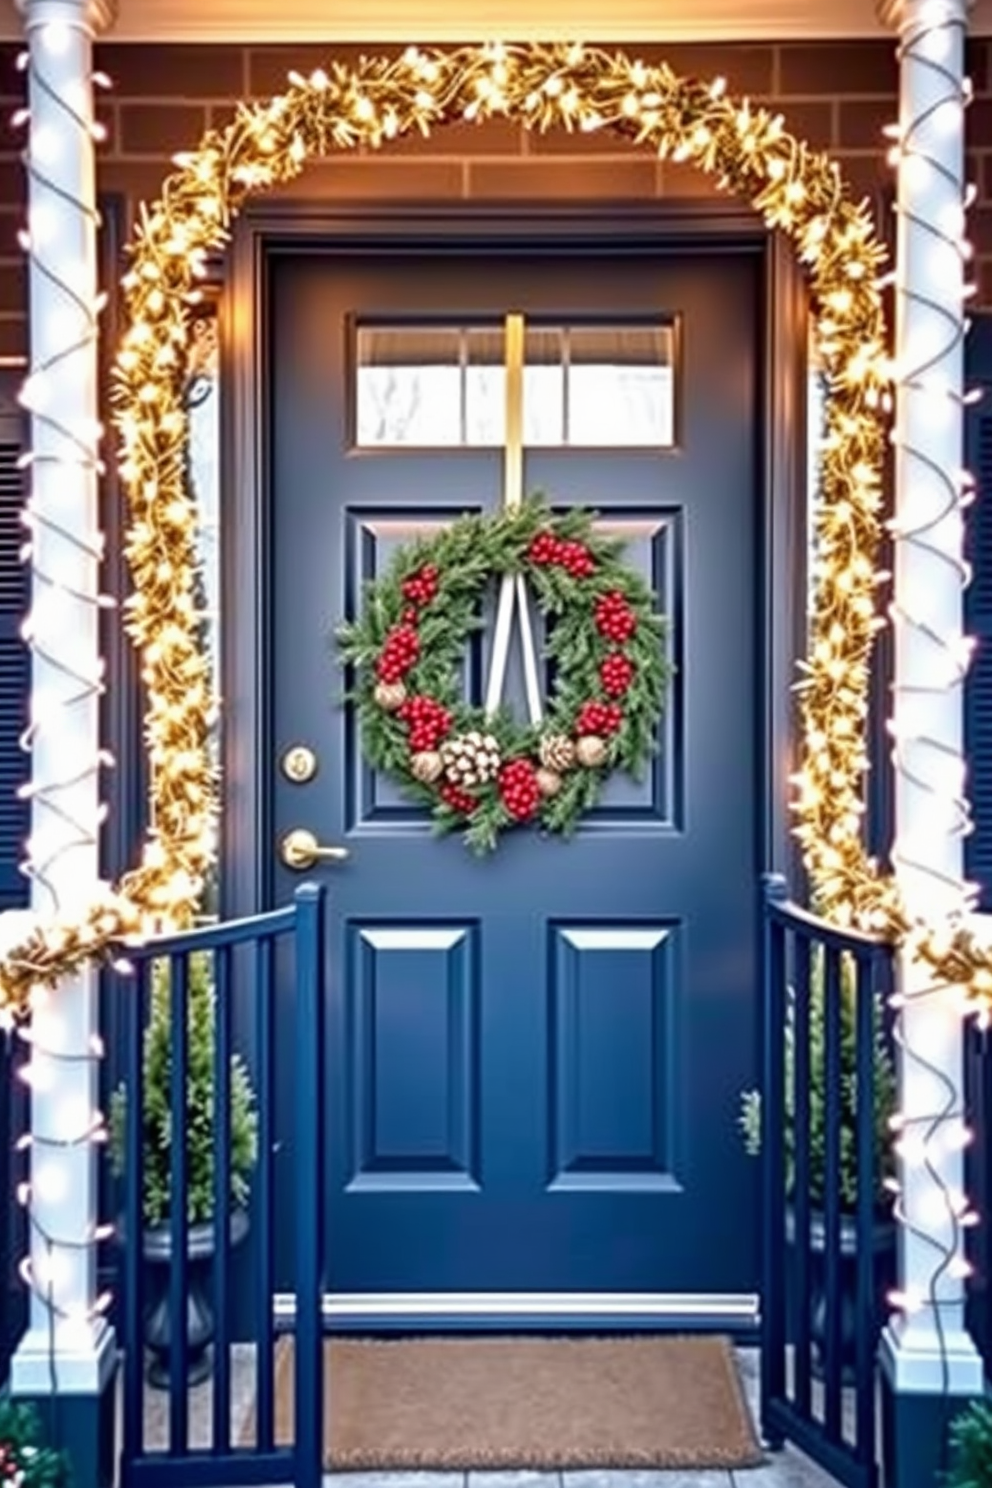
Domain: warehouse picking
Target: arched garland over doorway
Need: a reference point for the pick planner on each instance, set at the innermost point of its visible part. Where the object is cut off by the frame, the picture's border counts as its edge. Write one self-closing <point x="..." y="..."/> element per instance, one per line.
<point x="750" y="153"/>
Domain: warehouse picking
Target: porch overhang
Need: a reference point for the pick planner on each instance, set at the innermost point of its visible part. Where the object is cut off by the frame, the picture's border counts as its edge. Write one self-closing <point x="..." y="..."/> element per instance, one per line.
<point x="248" y="21"/>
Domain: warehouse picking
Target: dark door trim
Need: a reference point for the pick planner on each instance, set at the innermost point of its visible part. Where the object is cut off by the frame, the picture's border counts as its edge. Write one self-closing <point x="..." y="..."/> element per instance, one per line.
<point x="246" y="837"/>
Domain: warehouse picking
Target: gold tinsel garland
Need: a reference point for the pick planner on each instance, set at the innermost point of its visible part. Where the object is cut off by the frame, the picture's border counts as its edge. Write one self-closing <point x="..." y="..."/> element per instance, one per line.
<point x="749" y="151"/>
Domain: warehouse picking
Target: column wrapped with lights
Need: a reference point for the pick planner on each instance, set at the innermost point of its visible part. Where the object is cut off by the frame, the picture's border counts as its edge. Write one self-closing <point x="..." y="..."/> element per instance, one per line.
<point x="928" y="1349"/>
<point x="68" y="1345"/>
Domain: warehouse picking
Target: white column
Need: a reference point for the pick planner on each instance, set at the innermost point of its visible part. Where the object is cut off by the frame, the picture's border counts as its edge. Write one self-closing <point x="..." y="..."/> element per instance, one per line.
<point x="66" y="681"/>
<point x="928" y="1342"/>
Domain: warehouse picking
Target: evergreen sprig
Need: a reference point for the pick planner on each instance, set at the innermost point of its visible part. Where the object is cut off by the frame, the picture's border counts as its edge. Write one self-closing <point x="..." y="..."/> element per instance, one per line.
<point x="201" y="1134"/>
<point x="25" y="1460"/>
<point x="468" y="555"/>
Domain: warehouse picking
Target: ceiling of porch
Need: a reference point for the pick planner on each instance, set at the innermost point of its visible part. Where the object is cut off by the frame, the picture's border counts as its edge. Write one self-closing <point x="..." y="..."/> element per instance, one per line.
<point x="448" y="20"/>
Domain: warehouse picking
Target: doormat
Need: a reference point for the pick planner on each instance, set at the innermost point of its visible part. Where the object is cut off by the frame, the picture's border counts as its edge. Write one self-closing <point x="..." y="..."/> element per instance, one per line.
<point x="524" y="1402"/>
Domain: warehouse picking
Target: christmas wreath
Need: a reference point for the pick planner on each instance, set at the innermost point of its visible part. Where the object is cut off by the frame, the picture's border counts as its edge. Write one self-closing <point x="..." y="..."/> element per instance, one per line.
<point x="485" y="771"/>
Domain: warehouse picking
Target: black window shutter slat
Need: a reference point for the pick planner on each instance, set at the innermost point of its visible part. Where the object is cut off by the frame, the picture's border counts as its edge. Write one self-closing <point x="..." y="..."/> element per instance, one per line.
<point x="15" y="671"/>
<point x="978" y="609"/>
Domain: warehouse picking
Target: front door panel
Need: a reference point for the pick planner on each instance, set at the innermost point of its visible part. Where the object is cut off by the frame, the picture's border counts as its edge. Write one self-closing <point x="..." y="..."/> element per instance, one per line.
<point x="534" y="1060"/>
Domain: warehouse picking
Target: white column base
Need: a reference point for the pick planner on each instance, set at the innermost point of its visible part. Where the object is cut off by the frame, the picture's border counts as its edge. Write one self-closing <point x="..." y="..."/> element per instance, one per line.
<point x="919" y="1361"/>
<point x="81" y="1365"/>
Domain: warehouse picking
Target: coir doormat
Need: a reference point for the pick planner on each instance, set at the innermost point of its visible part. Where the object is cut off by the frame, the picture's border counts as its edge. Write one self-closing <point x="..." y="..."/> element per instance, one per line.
<point x="525" y="1402"/>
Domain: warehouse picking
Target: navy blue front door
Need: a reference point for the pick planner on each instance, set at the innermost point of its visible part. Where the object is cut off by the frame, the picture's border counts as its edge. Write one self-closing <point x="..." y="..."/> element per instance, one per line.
<point x="534" y="1060"/>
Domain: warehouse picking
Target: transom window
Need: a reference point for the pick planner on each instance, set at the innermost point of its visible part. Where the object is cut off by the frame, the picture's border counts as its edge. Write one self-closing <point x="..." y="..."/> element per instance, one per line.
<point x="585" y="385"/>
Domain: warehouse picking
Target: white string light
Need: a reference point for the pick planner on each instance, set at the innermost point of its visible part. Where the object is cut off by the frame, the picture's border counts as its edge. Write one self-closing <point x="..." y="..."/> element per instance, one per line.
<point x="62" y="464"/>
<point x="932" y="658"/>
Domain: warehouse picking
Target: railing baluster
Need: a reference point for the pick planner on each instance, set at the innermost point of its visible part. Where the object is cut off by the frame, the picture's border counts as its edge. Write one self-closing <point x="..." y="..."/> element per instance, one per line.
<point x="309" y="1184"/>
<point x="801" y="1170"/>
<point x="831" y="1196"/>
<point x="134" y="1183"/>
<point x="772" y="1129"/>
<point x="867" y="967"/>
<point x="222" y="1200"/>
<point x="178" y="973"/>
<point x="265" y="1032"/>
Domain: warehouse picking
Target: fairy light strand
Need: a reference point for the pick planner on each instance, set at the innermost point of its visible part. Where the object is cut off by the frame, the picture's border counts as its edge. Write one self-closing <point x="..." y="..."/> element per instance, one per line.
<point x="72" y="682"/>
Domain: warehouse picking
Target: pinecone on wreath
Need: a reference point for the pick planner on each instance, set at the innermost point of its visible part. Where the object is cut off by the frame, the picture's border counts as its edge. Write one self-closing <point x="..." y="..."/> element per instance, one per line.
<point x="470" y="759"/>
<point x="557" y="752"/>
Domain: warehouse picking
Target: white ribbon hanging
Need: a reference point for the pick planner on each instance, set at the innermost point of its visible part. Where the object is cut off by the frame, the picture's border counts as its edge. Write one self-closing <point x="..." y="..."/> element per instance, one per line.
<point x="513" y="590"/>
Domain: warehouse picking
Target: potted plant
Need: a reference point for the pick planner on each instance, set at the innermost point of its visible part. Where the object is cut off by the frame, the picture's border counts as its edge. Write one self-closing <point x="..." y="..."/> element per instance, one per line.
<point x="885" y="1094"/>
<point x="200" y="1152"/>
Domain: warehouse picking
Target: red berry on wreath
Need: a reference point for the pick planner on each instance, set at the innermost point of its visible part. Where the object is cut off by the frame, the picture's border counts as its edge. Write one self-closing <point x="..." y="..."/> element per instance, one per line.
<point x="519" y="788"/>
<point x="543" y="548"/>
<point x="599" y="718"/>
<point x="616" y="673"/>
<point x="458" y="799"/>
<point x="576" y="559"/>
<point x="421" y="587"/>
<point x="614" y="618"/>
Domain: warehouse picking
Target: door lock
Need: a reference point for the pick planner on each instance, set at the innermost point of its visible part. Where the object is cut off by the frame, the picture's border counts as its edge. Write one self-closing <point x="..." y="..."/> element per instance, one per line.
<point x="300" y="849"/>
<point x="299" y="764"/>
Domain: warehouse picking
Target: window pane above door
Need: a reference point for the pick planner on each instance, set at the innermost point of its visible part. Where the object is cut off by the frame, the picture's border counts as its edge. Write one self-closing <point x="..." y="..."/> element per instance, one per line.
<point x="587" y="386"/>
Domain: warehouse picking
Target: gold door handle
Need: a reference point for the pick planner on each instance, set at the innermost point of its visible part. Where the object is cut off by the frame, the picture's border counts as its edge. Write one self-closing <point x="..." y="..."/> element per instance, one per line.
<point x="300" y="849"/>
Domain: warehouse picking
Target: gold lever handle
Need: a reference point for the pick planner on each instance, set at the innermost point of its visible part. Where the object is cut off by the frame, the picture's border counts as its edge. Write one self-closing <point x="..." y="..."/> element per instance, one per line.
<point x="300" y="849"/>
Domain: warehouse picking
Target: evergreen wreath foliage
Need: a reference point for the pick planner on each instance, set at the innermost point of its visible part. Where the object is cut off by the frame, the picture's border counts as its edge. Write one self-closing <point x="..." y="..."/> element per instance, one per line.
<point x="25" y="1462"/>
<point x="607" y="654"/>
<point x="201" y="1138"/>
<point x="971" y="1448"/>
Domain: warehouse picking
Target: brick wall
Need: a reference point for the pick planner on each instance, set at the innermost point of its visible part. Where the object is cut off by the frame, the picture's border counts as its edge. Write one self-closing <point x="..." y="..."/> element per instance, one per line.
<point x="836" y="95"/>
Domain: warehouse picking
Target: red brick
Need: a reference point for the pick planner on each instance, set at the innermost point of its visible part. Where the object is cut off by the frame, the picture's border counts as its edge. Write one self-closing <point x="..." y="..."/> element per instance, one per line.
<point x="11" y="223"/>
<point x="377" y="177"/>
<point x="747" y="68"/>
<point x="13" y="286"/>
<point x="679" y="178"/>
<point x="160" y="128"/>
<point x="185" y="70"/>
<point x="984" y="297"/>
<point x="13" y="336"/>
<point x="809" y="119"/>
<point x="599" y="142"/>
<point x="492" y="137"/>
<point x="12" y="80"/>
<point x="829" y="67"/>
<point x="862" y="121"/>
<point x="865" y="174"/>
<point x="574" y="179"/>
<point x="269" y="66"/>
<point x="976" y="63"/>
<point x="978" y="124"/>
<point x="980" y="230"/>
<point x="13" y="181"/>
<point x="138" y="181"/>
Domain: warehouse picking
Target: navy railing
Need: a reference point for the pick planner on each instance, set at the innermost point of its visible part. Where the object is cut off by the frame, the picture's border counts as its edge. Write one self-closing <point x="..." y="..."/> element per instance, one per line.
<point x="245" y="957"/>
<point x="978" y="1185"/>
<point x="826" y="1255"/>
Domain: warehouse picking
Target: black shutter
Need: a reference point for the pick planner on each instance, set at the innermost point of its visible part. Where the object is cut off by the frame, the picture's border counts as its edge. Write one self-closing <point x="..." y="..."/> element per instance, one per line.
<point x="978" y="609"/>
<point x="14" y="656"/>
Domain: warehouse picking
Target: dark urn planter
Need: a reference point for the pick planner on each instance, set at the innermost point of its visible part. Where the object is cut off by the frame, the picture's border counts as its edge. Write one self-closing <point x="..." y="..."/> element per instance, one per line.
<point x="883" y="1244"/>
<point x="156" y="1249"/>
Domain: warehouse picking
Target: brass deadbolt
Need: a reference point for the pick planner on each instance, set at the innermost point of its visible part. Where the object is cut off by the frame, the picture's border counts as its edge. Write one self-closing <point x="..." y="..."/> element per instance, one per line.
<point x="299" y="764"/>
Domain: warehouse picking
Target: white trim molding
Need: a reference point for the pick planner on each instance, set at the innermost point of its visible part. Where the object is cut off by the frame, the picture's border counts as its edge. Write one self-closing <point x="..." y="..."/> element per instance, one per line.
<point x="709" y="1310"/>
<point x="313" y="21"/>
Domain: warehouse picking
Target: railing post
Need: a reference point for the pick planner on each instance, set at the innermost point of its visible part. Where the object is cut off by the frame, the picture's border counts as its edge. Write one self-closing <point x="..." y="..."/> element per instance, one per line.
<point x="772" y="942"/>
<point x="309" y="1185"/>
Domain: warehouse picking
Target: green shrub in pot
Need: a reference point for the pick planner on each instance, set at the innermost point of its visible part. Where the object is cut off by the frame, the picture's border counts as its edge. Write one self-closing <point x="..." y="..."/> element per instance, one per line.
<point x="201" y="1144"/>
<point x="885" y="1093"/>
